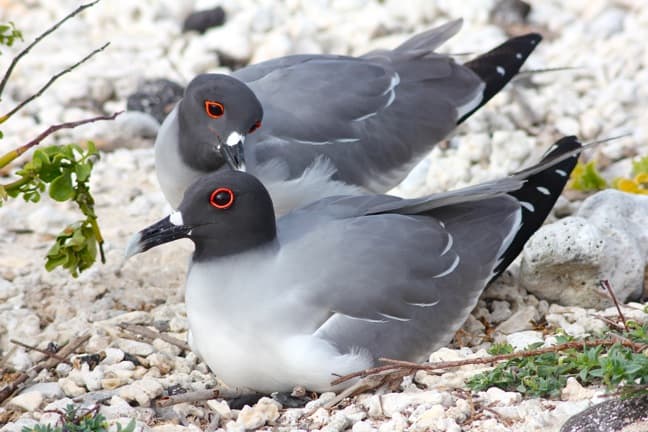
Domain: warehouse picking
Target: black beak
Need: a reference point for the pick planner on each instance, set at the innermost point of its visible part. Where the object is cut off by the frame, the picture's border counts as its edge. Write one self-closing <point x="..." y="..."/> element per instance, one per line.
<point x="159" y="233"/>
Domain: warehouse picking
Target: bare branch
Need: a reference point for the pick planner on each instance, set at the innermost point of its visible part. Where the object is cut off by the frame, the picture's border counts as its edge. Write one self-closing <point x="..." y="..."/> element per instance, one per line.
<point x="201" y="395"/>
<point x="152" y="334"/>
<point x="51" y="81"/>
<point x="605" y="284"/>
<point x="8" y="157"/>
<point x="23" y="377"/>
<point x="42" y="36"/>
<point x="42" y="351"/>
<point x="396" y="365"/>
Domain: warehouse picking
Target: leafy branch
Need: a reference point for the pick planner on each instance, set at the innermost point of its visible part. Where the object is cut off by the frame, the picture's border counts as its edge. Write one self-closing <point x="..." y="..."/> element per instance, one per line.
<point x="62" y="171"/>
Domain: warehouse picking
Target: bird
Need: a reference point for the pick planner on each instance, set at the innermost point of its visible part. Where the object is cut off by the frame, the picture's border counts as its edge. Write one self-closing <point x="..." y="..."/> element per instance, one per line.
<point x="329" y="288"/>
<point x="310" y="126"/>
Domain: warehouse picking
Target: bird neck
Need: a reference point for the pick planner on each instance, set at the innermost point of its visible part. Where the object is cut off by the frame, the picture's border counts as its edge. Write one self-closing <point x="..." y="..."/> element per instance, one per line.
<point x="209" y="249"/>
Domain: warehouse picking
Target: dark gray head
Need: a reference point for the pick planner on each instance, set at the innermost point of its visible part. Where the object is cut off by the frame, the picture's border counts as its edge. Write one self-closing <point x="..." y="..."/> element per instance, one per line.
<point x="215" y="115"/>
<point x="223" y="213"/>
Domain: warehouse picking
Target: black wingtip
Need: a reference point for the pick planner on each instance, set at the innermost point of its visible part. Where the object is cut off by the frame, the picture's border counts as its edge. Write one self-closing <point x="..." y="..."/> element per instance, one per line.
<point x="539" y="194"/>
<point x="499" y="65"/>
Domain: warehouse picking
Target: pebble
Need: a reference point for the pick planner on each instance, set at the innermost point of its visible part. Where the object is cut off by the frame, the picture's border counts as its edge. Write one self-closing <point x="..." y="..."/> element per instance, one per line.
<point x="141" y="391"/>
<point x="521" y="340"/>
<point x="155" y="97"/>
<point x="27" y="401"/>
<point x="135" y="347"/>
<point x="264" y="411"/>
<point x="606" y="239"/>
<point x="201" y="21"/>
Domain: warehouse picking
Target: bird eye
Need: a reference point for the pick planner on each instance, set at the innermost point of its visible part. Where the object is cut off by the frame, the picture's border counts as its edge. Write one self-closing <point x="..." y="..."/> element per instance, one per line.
<point x="222" y="198"/>
<point x="255" y="126"/>
<point x="214" y="109"/>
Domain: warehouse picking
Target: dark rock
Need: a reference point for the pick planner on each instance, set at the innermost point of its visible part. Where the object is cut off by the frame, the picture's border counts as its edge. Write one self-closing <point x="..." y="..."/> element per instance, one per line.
<point x="506" y="13"/>
<point x="611" y="416"/>
<point x="155" y="97"/>
<point x="201" y="21"/>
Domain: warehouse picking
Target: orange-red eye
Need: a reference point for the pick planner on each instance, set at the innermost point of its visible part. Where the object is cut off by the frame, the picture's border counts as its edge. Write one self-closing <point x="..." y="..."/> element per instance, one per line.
<point x="214" y="109"/>
<point x="255" y="126"/>
<point x="222" y="198"/>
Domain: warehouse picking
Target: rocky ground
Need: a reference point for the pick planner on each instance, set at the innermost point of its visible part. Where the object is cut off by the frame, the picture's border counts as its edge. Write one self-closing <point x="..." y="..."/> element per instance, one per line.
<point x="604" y="94"/>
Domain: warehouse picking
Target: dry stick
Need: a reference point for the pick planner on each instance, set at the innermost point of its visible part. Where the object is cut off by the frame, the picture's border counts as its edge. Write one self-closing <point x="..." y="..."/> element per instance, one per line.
<point x="42" y="351"/>
<point x="23" y="377"/>
<point x="13" y="154"/>
<point x="22" y="53"/>
<point x="605" y="284"/>
<point x="153" y="334"/>
<point x="394" y="365"/>
<point x="51" y="81"/>
<point x="200" y="395"/>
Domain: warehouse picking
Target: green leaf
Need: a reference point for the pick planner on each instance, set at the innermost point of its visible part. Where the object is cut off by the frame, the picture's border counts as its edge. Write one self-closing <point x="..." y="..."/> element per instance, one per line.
<point x="61" y="189"/>
<point x="640" y="166"/>
<point x="83" y="171"/>
<point x="586" y="178"/>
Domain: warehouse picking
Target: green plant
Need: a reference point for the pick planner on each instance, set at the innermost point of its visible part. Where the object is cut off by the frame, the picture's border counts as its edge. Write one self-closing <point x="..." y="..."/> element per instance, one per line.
<point x="546" y="374"/>
<point x="74" y="419"/>
<point x="587" y="178"/>
<point x="9" y="34"/>
<point x="63" y="171"/>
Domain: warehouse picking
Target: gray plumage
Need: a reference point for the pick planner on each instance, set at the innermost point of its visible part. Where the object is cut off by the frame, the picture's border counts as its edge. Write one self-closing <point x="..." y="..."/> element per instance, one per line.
<point x="329" y="288"/>
<point x="332" y="124"/>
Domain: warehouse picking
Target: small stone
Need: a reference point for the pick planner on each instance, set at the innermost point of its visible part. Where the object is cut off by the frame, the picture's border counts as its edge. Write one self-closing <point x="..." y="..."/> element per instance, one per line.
<point x="200" y="21"/>
<point x="117" y="407"/>
<point x="363" y="426"/>
<point x="27" y="401"/>
<point x="220" y="407"/>
<point x="429" y="418"/>
<point x="573" y="390"/>
<point x="521" y="340"/>
<point x="612" y="415"/>
<point x="113" y="356"/>
<point x="519" y="321"/>
<point x="156" y="97"/>
<point x="49" y="390"/>
<point x="264" y="411"/>
<point x="70" y="388"/>
<point x="142" y="391"/>
<point x="161" y="361"/>
<point x="135" y="347"/>
<point x="498" y="396"/>
<point x="506" y="13"/>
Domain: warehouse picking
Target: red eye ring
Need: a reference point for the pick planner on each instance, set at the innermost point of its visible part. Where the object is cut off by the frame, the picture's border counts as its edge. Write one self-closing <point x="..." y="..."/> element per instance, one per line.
<point x="214" y="109"/>
<point x="255" y="126"/>
<point x="219" y="202"/>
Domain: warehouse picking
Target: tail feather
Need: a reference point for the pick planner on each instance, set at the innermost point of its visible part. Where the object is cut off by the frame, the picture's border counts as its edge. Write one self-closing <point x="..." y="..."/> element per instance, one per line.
<point x="539" y="194"/>
<point x="499" y="65"/>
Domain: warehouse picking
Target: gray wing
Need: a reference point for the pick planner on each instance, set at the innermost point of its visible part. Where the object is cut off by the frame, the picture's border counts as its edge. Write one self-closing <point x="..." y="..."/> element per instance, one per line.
<point x="374" y="116"/>
<point x="401" y="284"/>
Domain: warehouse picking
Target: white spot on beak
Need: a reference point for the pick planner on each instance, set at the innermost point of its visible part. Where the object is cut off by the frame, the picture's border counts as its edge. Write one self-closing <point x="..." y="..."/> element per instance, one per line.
<point x="176" y="218"/>
<point x="234" y="138"/>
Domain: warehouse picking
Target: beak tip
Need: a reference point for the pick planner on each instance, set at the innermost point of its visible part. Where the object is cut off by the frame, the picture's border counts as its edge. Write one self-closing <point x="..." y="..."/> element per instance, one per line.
<point x="134" y="246"/>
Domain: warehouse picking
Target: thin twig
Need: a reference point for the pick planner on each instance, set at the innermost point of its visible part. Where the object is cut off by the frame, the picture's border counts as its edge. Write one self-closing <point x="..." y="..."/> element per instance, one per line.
<point x="154" y="334"/>
<point x="395" y="365"/>
<point x="201" y="395"/>
<point x="605" y="284"/>
<point x="42" y="351"/>
<point x="22" y="53"/>
<point x="51" y="81"/>
<point x="25" y="377"/>
<point x="13" y="154"/>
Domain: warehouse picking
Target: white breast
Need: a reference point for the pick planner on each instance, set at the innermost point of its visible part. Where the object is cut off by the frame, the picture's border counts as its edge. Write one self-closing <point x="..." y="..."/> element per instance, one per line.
<point x="255" y="332"/>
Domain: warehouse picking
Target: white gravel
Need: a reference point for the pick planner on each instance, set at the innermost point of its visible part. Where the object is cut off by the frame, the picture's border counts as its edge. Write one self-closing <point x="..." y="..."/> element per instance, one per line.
<point x="604" y="95"/>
